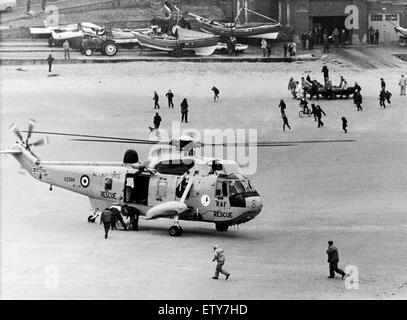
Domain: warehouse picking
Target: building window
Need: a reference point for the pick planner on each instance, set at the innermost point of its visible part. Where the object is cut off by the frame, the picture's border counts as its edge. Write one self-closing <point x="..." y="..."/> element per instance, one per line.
<point x="391" y="17"/>
<point x="376" y="17"/>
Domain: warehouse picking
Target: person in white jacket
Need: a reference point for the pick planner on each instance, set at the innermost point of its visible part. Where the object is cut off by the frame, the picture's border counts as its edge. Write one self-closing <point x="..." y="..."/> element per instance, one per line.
<point x="220" y="258"/>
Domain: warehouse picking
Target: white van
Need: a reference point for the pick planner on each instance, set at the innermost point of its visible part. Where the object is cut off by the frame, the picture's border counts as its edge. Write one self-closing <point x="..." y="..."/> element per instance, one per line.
<point x="7" y="5"/>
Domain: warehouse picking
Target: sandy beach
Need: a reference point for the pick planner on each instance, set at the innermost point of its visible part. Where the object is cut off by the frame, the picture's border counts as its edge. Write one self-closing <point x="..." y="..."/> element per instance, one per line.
<point x="353" y="193"/>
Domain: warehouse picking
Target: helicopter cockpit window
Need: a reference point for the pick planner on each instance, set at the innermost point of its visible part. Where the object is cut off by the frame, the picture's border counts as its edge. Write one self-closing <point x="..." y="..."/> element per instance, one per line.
<point x="108" y="183"/>
<point x="247" y="186"/>
<point x="235" y="187"/>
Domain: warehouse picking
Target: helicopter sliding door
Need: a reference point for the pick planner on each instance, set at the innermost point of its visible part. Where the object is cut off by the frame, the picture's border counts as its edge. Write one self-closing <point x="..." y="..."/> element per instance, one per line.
<point x="136" y="188"/>
<point x="221" y="195"/>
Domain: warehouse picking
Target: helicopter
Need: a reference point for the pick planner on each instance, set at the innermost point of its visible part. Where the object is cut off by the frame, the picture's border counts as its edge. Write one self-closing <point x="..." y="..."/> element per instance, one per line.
<point x="172" y="183"/>
<point x="175" y="185"/>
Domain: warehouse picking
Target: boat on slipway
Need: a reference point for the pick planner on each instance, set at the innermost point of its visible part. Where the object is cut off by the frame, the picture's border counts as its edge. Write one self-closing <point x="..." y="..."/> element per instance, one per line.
<point x="268" y="30"/>
<point x="178" y="41"/>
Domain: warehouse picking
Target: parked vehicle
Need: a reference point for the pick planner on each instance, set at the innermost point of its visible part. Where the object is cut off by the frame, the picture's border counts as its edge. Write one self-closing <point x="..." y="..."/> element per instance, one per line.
<point x="93" y="43"/>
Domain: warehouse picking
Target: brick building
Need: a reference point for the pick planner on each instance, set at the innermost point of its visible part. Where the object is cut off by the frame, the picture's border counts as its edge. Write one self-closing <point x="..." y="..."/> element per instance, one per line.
<point x="303" y="15"/>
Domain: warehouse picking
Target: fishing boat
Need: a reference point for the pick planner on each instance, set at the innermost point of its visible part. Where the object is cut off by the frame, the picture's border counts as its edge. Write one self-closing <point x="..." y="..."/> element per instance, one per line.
<point x="247" y="30"/>
<point x="178" y="41"/>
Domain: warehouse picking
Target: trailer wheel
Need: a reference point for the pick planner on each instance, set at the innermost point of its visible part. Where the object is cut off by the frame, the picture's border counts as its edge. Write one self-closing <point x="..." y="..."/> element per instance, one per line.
<point x="110" y="49"/>
<point x="177" y="52"/>
<point x="88" y="52"/>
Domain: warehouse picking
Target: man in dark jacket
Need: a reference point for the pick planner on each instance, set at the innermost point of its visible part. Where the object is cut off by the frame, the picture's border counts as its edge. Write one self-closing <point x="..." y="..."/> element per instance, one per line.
<point x="382" y="84"/>
<point x="344" y="125"/>
<point x="184" y="110"/>
<point x="282" y="106"/>
<point x="50" y="60"/>
<point x="382" y="99"/>
<point x="357" y="99"/>
<point x="157" y="120"/>
<point x="170" y="95"/>
<point x="318" y="113"/>
<point x="106" y="219"/>
<point x="333" y="259"/>
<point x="215" y="93"/>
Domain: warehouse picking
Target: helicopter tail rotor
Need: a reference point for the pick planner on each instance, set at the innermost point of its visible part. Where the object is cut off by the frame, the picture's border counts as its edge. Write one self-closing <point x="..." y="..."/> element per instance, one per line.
<point x="13" y="128"/>
<point x="26" y="143"/>
<point x="31" y="125"/>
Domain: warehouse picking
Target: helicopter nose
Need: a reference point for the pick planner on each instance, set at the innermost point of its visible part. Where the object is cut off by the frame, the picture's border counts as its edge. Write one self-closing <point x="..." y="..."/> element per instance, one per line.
<point x="254" y="203"/>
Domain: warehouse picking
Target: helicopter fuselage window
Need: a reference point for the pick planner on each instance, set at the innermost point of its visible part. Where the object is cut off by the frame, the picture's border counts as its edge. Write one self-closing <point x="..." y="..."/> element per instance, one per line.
<point x="108" y="183"/>
<point x="221" y="189"/>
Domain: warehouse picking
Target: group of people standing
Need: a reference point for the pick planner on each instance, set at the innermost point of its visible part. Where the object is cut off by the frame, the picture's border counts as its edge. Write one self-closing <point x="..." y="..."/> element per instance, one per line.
<point x="110" y="217"/>
<point x="184" y="106"/>
<point x="373" y="36"/>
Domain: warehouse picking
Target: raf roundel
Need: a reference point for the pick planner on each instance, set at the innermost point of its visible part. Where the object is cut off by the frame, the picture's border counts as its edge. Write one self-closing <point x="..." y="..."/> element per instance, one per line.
<point x="205" y="200"/>
<point x="85" y="181"/>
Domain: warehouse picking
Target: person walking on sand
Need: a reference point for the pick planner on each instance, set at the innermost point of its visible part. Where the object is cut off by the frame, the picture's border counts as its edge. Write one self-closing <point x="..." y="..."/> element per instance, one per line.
<point x="50" y="60"/>
<point x="170" y="96"/>
<point x="184" y="110"/>
<point x="402" y="84"/>
<point x="157" y="120"/>
<point x="156" y="98"/>
<point x="219" y="257"/>
<point x="285" y="121"/>
<point x="106" y="219"/>
<point x="318" y="113"/>
<point x="382" y="99"/>
<point x="357" y="99"/>
<point x="382" y="84"/>
<point x="344" y="125"/>
<point x="292" y="86"/>
<point x="66" y="50"/>
<point x="282" y="106"/>
<point x="215" y="93"/>
<point x="333" y="260"/>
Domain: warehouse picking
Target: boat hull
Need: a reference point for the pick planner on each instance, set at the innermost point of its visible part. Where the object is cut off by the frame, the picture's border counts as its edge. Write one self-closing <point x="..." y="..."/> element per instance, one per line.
<point x="260" y="31"/>
<point x="201" y="47"/>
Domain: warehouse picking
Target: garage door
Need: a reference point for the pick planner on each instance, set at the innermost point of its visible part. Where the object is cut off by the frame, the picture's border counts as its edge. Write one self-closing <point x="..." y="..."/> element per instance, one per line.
<point x="385" y="23"/>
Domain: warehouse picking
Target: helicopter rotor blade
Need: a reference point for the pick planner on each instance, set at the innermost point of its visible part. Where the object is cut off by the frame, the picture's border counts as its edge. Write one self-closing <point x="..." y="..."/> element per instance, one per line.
<point x="276" y="143"/>
<point x="14" y="129"/>
<point x="91" y="136"/>
<point x="40" y="142"/>
<point x="120" y="141"/>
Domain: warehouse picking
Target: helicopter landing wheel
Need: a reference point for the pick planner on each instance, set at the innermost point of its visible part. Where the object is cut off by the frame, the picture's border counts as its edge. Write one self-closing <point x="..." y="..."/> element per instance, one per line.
<point x="175" y="231"/>
<point x="221" y="227"/>
<point x="91" y="219"/>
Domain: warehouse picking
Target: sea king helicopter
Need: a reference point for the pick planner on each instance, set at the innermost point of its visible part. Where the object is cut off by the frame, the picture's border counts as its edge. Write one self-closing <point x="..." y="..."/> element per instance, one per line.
<point x="172" y="183"/>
